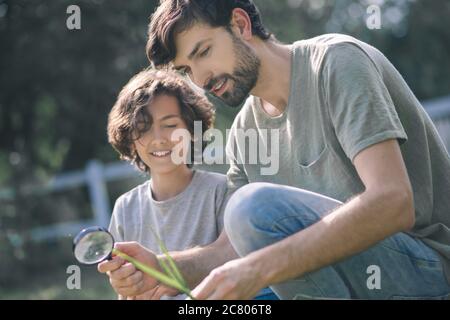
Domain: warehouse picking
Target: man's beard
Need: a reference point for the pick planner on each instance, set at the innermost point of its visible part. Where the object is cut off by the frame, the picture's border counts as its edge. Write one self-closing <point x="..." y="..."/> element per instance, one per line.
<point x="244" y="76"/>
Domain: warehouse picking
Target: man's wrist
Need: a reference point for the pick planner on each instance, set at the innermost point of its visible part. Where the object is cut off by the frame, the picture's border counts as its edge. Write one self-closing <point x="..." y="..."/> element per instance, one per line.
<point x="271" y="266"/>
<point x="263" y="266"/>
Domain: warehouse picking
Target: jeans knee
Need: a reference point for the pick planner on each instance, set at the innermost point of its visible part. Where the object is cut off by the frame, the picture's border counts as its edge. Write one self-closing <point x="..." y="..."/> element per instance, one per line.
<point x="244" y="207"/>
<point x="261" y="213"/>
<point x="246" y="216"/>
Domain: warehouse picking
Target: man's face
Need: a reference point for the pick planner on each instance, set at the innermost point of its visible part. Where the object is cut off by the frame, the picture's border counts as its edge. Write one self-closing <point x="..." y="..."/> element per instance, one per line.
<point x="217" y="61"/>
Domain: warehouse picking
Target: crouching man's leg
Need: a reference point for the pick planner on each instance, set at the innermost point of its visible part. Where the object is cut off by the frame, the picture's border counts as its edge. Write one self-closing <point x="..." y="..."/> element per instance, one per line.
<point x="261" y="214"/>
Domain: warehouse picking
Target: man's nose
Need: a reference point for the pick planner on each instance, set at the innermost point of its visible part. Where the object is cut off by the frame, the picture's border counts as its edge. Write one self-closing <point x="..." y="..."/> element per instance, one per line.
<point x="201" y="77"/>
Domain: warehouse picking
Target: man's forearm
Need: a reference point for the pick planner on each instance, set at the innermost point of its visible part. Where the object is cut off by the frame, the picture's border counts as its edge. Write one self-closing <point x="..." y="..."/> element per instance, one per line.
<point x="196" y="263"/>
<point x="350" y="229"/>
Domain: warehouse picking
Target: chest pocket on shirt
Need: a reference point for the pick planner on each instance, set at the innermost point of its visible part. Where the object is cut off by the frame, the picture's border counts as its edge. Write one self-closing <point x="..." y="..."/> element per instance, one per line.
<point x="315" y="162"/>
<point x="312" y="149"/>
<point x="326" y="174"/>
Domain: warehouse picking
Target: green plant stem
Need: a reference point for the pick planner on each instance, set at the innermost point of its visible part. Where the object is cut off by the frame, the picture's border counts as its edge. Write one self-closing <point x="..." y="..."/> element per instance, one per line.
<point x="172" y="282"/>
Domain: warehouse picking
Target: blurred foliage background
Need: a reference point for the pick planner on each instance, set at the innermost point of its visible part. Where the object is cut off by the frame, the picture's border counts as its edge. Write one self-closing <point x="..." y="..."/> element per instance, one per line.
<point x="58" y="85"/>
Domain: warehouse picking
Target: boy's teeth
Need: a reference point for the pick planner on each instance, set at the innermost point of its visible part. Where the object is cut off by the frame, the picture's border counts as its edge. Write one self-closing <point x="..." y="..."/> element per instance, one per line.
<point x="160" y="153"/>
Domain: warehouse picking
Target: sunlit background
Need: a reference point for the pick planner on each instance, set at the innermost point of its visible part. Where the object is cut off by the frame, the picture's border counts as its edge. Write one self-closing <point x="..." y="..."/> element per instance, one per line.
<point x="57" y="171"/>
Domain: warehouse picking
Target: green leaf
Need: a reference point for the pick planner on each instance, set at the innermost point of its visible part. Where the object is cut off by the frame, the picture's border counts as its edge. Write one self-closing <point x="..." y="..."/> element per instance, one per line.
<point x="172" y="269"/>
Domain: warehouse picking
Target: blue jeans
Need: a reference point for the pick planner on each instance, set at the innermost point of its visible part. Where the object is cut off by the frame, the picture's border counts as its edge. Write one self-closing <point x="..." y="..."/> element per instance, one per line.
<point x="266" y="294"/>
<point x="399" y="267"/>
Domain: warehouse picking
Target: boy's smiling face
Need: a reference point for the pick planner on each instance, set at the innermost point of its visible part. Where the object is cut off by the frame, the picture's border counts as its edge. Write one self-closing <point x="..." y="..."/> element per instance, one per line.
<point x="155" y="146"/>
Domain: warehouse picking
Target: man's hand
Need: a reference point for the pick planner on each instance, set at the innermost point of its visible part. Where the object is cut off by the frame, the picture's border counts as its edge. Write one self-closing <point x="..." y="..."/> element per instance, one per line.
<point x="125" y="279"/>
<point x="235" y="280"/>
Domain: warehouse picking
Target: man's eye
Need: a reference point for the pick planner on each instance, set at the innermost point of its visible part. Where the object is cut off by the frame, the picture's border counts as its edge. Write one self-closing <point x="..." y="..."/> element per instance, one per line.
<point x="171" y="126"/>
<point x="184" y="71"/>
<point x="204" y="52"/>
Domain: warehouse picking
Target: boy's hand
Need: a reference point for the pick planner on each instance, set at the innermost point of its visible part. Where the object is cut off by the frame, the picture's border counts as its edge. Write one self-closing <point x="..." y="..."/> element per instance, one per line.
<point x="125" y="279"/>
<point x="157" y="292"/>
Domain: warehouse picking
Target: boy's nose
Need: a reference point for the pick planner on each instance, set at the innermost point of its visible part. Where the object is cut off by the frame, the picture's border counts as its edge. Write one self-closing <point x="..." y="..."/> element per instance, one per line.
<point x="160" y="143"/>
<point x="159" y="138"/>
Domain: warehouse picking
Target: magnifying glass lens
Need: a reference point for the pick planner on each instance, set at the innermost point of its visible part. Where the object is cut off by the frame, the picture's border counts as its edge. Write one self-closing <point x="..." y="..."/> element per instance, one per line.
<point x="93" y="245"/>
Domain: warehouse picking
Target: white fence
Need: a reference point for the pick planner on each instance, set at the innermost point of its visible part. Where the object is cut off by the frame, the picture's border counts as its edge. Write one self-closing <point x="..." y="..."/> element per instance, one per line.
<point x="96" y="177"/>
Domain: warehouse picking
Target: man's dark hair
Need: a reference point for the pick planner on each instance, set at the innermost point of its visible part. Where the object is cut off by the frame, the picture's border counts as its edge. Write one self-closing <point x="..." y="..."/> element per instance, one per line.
<point x="173" y="16"/>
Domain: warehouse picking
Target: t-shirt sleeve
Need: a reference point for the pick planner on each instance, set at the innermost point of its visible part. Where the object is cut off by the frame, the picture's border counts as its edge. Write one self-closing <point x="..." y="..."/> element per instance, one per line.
<point x="116" y="223"/>
<point x="360" y="106"/>
<point x="236" y="176"/>
<point x="221" y="202"/>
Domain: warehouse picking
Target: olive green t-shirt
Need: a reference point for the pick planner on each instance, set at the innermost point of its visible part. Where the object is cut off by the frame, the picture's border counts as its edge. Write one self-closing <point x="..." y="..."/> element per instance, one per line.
<point x="344" y="97"/>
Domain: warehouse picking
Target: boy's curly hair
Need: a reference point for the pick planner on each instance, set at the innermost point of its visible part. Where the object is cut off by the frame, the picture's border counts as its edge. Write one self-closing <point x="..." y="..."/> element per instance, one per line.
<point x="129" y="118"/>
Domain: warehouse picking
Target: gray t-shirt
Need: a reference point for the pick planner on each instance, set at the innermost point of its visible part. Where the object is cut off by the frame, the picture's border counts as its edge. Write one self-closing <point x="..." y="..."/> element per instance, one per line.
<point x="346" y="96"/>
<point x="192" y="218"/>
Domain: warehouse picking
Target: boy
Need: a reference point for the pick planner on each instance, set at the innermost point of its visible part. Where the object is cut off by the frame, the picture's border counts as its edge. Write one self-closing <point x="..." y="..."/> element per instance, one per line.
<point x="182" y="205"/>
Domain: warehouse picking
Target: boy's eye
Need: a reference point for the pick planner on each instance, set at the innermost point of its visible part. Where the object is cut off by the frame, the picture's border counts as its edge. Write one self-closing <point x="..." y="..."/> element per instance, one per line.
<point x="171" y="126"/>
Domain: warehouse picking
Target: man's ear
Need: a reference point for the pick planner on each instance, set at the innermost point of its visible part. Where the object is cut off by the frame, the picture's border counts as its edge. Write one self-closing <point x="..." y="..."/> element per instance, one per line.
<point x="241" y="23"/>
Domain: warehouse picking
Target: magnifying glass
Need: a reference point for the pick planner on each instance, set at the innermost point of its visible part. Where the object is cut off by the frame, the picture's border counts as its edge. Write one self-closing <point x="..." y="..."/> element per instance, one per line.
<point x="93" y="245"/>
